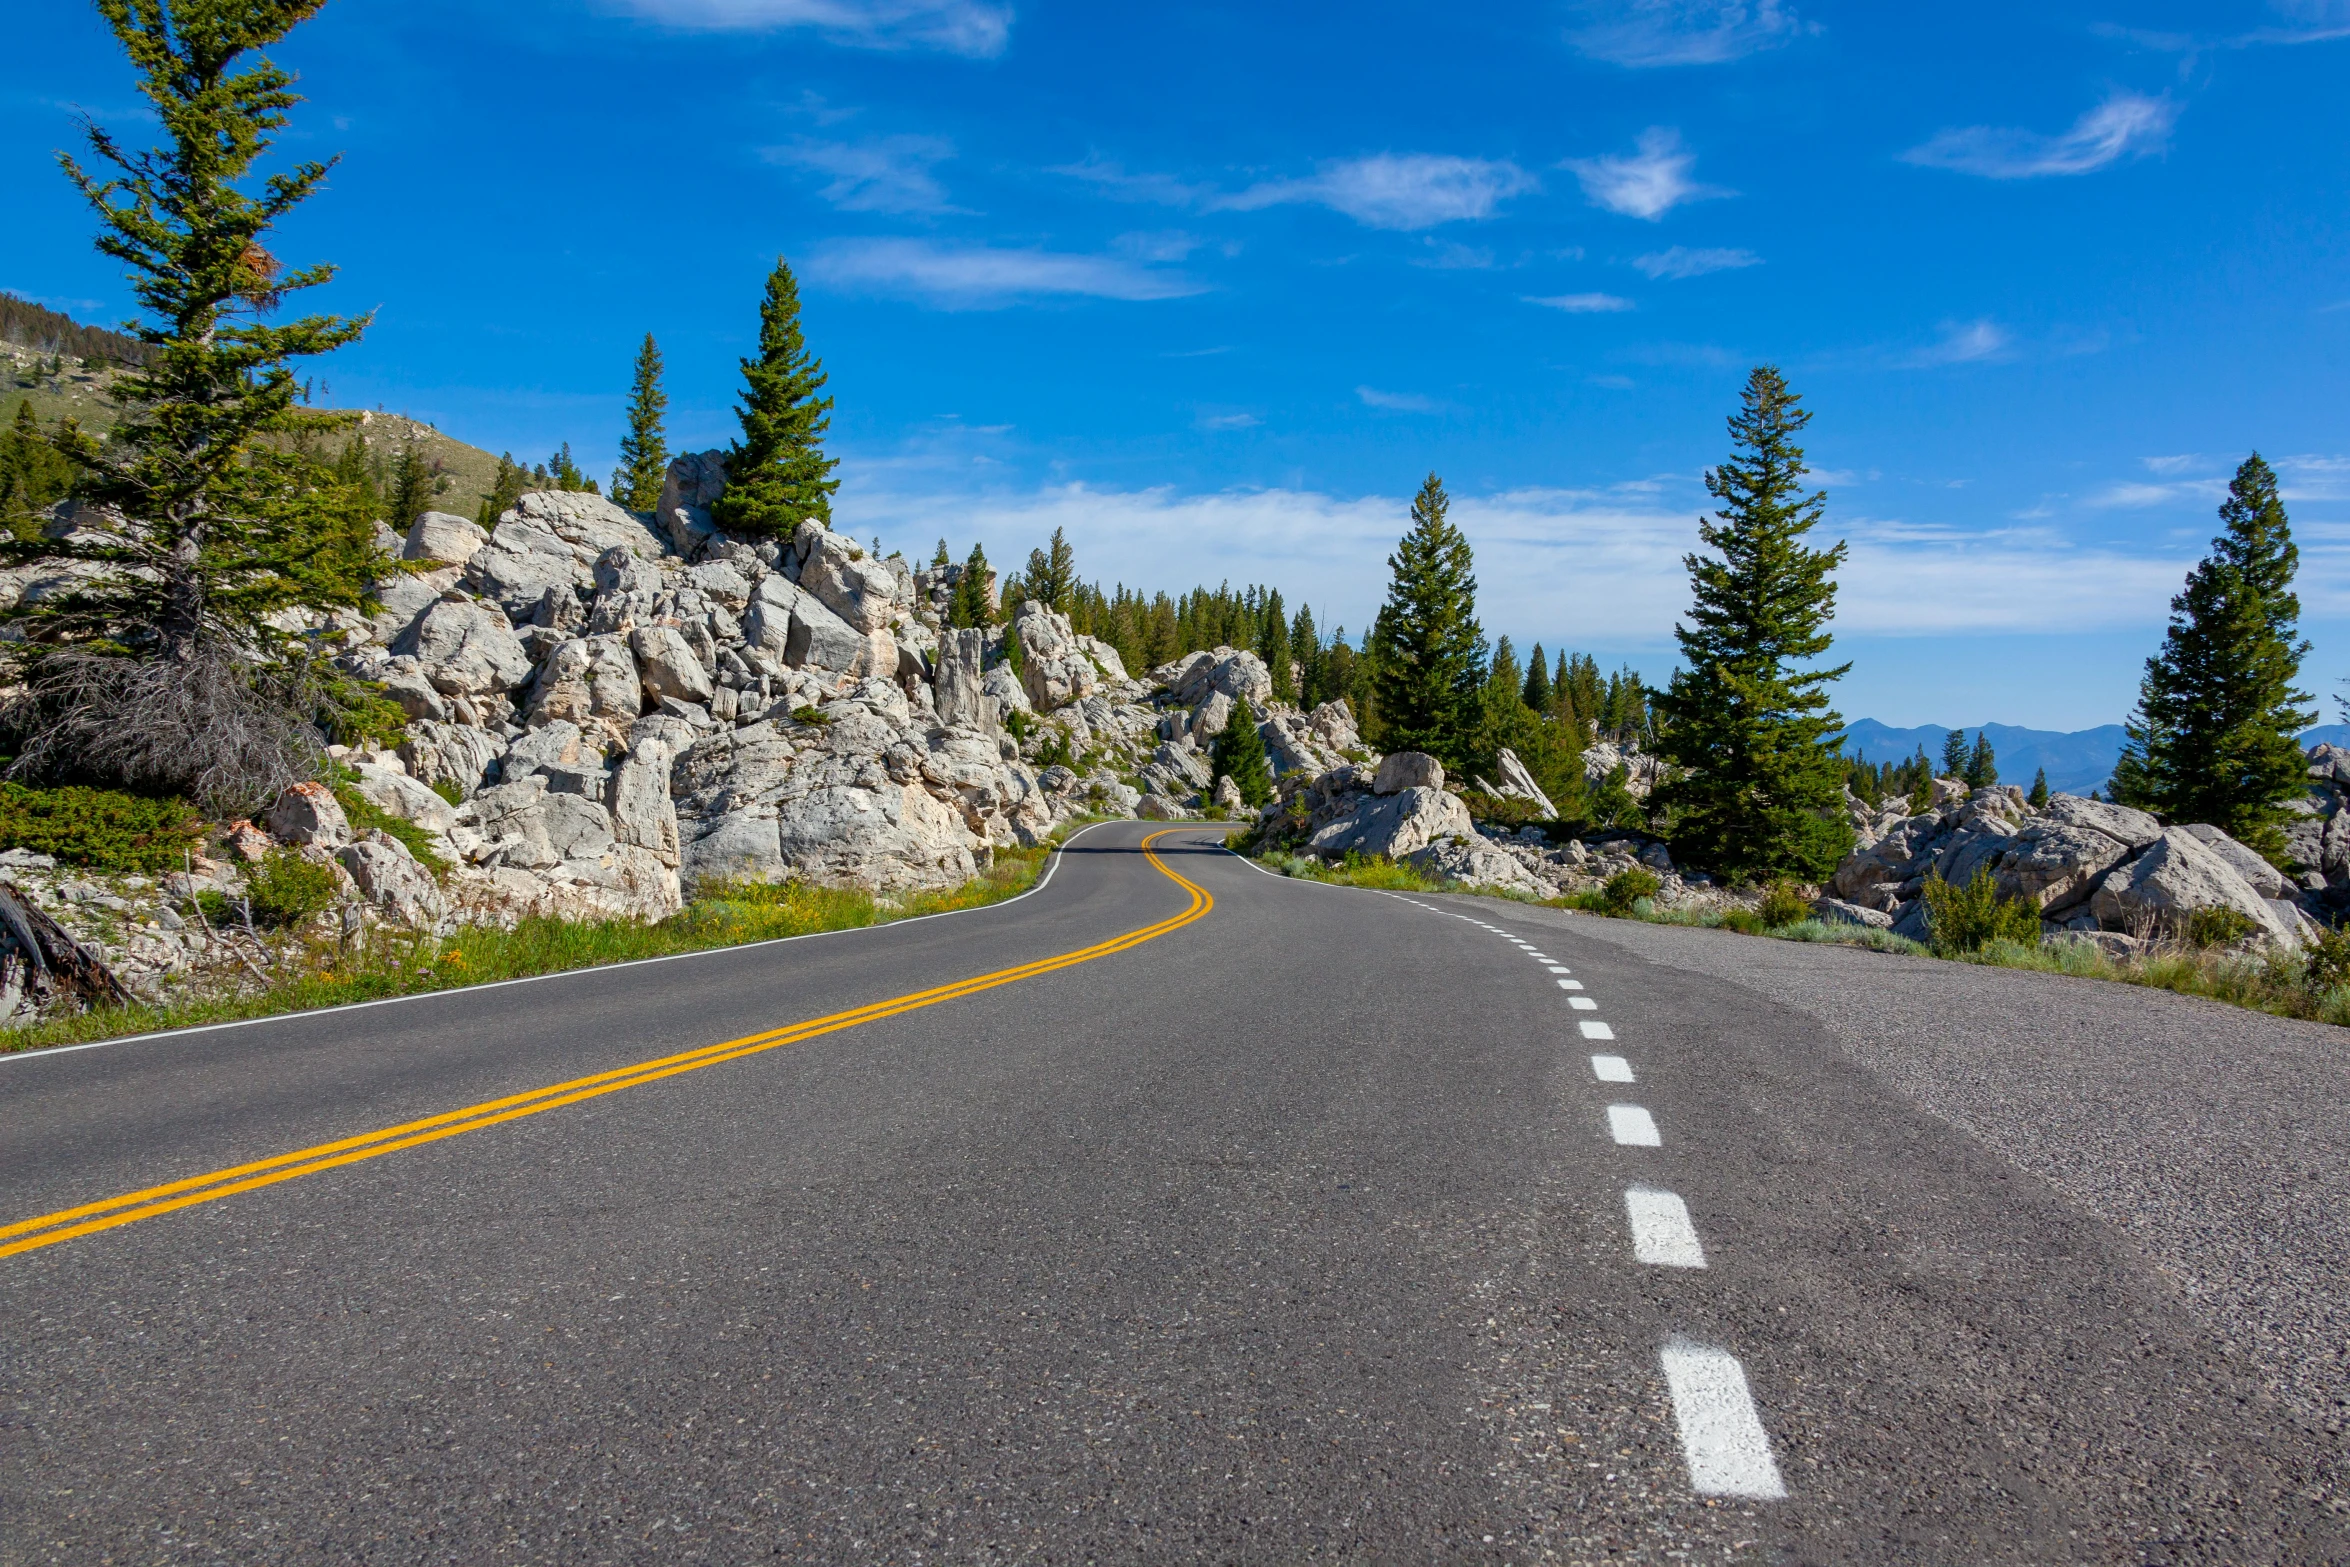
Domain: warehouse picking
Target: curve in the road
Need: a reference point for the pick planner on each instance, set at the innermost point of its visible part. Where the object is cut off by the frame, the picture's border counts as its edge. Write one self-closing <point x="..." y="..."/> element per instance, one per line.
<point x="50" y="1229"/>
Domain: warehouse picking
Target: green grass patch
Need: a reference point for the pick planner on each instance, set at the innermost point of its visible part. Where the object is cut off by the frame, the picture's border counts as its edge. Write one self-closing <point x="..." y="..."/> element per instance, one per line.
<point x="320" y="972"/>
<point x="1356" y="870"/>
<point x="365" y="815"/>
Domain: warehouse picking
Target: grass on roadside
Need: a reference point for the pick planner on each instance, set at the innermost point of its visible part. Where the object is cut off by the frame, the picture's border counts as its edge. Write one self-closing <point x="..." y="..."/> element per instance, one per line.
<point x="324" y="973"/>
<point x="2313" y="985"/>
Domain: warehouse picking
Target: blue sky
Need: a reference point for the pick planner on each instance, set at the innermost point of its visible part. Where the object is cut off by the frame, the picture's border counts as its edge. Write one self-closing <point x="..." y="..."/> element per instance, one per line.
<point x="1213" y="286"/>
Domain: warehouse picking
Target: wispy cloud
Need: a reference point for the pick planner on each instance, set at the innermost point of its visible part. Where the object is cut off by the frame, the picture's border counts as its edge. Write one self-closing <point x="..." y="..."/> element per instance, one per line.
<point x="2135" y="495"/>
<point x="1229" y="421"/>
<point x="967" y="27"/>
<point x="888" y="174"/>
<point x="978" y="277"/>
<point x="2177" y="464"/>
<point x="1116" y="181"/>
<point x="1445" y="256"/>
<point x="1681" y="262"/>
<point x="1163" y="245"/>
<point x="1965" y="342"/>
<point x="1396" y="402"/>
<point x="1642" y="33"/>
<point x="2124" y="125"/>
<point x="1395" y="191"/>
<point x="1582" y="304"/>
<point x="1647" y="183"/>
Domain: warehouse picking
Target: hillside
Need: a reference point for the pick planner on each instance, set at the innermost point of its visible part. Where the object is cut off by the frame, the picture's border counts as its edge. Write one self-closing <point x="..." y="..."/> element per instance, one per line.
<point x="83" y="388"/>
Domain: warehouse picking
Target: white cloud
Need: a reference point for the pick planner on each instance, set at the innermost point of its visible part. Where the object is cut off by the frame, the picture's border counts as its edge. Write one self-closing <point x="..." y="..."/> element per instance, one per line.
<point x="2124" y="125"/>
<point x="1965" y="342"/>
<point x="1583" y="304"/>
<point x="1233" y="421"/>
<point x="1614" y="559"/>
<point x="1682" y="262"/>
<point x="1113" y="180"/>
<point x="1682" y="32"/>
<point x="1445" y="256"/>
<point x="977" y="277"/>
<point x="1388" y="191"/>
<point x="889" y="174"/>
<point x="1399" y="402"/>
<point x="2178" y="464"/>
<point x="967" y="27"/>
<point x="1646" y="184"/>
<point x="1164" y="245"/>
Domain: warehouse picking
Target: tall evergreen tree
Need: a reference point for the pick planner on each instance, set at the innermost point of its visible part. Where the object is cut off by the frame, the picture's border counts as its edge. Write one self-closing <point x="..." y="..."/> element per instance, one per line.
<point x="505" y="491"/>
<point x="164" y="669"/>
<point x="1982" y="767"/>
<point x="777" y="474"/>
<point x="1429" y="649"/>
<point x="2213" y="739"/>
<point x="2039" y="795"/>
<point x="1051" y="577"/>
<point x="34" y="474"/>
<point x="1239" y="754"/>
<point x="644" y="450"/>
<point x="1272" y="644"/>
<point x="1747" y="722"/>
<point x="417" y="480"/>
<point x="1305" y="646"/>
<point x="1954" y="754"/>
<point x="970" y="604"/>
<point x="1537" y="692"/>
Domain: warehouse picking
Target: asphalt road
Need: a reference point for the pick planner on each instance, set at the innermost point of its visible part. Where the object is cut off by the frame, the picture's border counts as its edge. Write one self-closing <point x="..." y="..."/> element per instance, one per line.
<point x="1305" y="1229"/>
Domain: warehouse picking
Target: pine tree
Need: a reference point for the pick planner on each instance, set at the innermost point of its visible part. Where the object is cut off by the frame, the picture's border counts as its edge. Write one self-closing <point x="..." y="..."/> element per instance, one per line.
<point x="777" y="474"/>
<point x="970" y="605"/>
<point x="1239" y="754"/>
<point x="34" y="474"/>
<point x="644" y="450"/>
<point x="1982" y="768"/>
<point x="1760" y="791"/>
<point x="417" y="479"/>
<point x="165" y="668"/>
<point x="942" y="558"/>
<point x="1429" y="649"/>
<point x="1537" y="692"/>
<point x="1305" y="646"/>
<point x="1954" y="754"/>
<point x="2213" y="739"/>
<point x="505" y="492"/>
<point x="2039" y="795"/>
<point x="1272" y="645"/>
<point x="1051" y="577"/>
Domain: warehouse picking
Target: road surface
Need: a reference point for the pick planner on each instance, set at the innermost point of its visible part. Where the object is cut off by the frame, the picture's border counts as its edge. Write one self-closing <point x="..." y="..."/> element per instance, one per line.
<point x="1175" y="1212"/>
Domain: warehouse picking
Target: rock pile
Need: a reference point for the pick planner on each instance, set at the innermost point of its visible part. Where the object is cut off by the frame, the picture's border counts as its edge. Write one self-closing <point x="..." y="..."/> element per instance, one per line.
<point x="610" y="711"/>
<point x="2089" y="866"/>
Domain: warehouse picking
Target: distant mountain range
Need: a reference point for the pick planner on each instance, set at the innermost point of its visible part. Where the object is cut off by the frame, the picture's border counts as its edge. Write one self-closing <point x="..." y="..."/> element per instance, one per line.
<point x="2077" y="762"/>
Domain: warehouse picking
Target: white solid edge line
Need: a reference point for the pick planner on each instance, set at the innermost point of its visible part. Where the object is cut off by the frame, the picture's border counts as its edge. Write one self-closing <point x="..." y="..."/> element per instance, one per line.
<point x="1594" y="1029"/>
<point x="532" y="979"/>
<point x="1722" y="1437"/>
<point x="1662" y="1234"/>
<point x="1611" y="1069"/>
<point x="1633" y="1127"/>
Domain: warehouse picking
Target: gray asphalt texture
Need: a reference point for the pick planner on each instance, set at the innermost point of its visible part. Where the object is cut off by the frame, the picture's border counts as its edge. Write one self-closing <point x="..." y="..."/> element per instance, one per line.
<point x="1294" y="1235"/>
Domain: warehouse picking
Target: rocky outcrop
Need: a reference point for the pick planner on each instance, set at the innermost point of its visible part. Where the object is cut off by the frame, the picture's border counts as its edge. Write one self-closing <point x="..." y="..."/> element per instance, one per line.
<point x="2087" y="865"/>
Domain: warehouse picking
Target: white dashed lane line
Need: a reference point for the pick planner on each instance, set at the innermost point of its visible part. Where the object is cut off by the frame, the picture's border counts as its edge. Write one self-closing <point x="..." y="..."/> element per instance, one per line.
<point x="1633" y="1127"/>
<point x="1662" y="1235"/>
<point x="1722" y="1438"/>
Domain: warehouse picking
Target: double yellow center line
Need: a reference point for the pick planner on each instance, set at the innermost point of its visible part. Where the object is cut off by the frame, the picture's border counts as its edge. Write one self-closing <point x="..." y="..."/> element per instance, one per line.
<point x="67" y="1224"/>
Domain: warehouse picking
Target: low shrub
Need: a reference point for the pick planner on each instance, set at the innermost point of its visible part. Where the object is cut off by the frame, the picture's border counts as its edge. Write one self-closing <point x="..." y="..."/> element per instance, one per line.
<point x="104" y="829"/>
<point x="1969" y="918"/>
<point x="366" y="816"/>
<point x="2216" y="927"/>
<point x="286" y="889"/>
<point x="1744" y="921"/>
<point x="1626" y="888"/>
<point x="1783" y="905"/>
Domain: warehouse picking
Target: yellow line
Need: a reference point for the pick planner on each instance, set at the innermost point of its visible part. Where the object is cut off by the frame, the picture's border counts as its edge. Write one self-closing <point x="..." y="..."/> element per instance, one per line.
<point x="50" y="1228"/>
